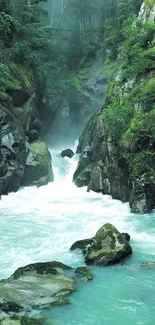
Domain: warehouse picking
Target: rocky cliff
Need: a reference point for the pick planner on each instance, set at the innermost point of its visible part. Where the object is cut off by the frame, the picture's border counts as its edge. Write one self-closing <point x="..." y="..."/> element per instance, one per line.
<point x="117" y="147"/>
<point x="19" y="127"/>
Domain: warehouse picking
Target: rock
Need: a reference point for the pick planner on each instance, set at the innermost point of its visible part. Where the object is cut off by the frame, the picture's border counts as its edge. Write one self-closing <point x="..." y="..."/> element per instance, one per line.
<point x="109" y="247"/>
<point x="84" y="273"/>
<point x="38" y="170"/>
<point x="82" y="174"/>
<point x="21" y="320"/>
<point x="99" y="167"/>
<point x="126" y="236"/>
<point x="41" y="268"/>
<point x="67" y="153"/>
<point x="82" y="245"/>
<point x="96" y="182"/>
<point x="36" y="286"/>
<point x="13" y="152"/>
<point x="33" y="135"/>
<point x="148" y="264"/>
<point x="36" y="125"/>
<point x="18" y="115"/>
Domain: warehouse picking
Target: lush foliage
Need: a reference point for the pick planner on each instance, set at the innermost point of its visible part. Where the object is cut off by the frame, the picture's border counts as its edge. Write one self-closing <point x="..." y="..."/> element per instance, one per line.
<point x="129" y="108"/>
<point x="64" y="43"/>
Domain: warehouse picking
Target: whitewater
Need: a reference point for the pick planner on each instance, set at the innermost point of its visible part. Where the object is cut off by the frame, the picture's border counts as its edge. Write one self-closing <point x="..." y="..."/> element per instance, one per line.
<point x="40" y="224"/>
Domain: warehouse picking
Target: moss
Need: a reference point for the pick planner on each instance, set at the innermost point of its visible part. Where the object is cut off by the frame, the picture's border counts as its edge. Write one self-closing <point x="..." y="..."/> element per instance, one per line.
<point x="142" y="165"/>
<point x="21" y="320"/>
<point x="141" y="128"/>
<point x="149" y="4"/>
<point x="15" y="76"/>
<point x="3" y="96"/>
<point x="41" y="146"/>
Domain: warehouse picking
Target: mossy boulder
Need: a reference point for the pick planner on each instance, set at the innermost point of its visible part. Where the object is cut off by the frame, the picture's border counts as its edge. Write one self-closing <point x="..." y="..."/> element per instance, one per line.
<point x="36" y="286"/>
<point x="108" y="247"/>
<point x="38" y="169"/>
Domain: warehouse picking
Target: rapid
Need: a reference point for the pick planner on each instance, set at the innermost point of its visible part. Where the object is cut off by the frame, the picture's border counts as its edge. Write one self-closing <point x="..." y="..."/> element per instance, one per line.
<point x="40" y="224"/>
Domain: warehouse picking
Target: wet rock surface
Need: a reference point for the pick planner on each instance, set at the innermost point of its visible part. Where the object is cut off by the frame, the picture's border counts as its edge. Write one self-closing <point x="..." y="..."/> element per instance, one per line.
<point x="38" y="168"/>
<point x="36" y="286"/>
<point x="84" y="273"/>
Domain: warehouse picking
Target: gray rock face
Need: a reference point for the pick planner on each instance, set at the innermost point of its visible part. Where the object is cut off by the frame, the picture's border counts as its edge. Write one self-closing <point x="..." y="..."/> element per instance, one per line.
<point x="108" y="247"/>
<point x="36" y="286"/>
<point x="19" y="126"/>
<point x="99" y="167"/>
<point x="13" y="150"/>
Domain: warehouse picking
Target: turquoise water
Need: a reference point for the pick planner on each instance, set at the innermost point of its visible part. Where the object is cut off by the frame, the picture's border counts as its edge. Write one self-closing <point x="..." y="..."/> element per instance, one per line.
<point x="41" y="225"/>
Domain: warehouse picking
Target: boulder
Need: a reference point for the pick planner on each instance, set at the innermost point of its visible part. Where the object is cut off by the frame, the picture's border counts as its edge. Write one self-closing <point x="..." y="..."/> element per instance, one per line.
<point x="84" y="273"/>
<point x="36" y="286"/>
<point x="108" y="247"/>
<point x="67" y="153"/>
<point x="38" y="169"/>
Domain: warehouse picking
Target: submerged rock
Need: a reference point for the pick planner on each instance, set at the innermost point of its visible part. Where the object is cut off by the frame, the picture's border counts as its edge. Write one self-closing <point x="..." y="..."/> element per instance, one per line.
<point x="67" y="153"/>
<point x="108" y="247"/>
<point x="84" y="273"/>
<point x="148" y="264"/>
<point x="38" y="170"/>
<point x="36" y="286"/>
<point x="21" y="320"/>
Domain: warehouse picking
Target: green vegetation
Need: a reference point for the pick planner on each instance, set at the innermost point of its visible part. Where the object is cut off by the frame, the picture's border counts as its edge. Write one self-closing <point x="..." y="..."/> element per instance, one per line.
<point x="56" y="50"/>
<point x="129" y="108"/>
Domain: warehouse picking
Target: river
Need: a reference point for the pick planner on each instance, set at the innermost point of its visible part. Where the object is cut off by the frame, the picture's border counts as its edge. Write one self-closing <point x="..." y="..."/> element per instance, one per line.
<point x="40" y="224"/>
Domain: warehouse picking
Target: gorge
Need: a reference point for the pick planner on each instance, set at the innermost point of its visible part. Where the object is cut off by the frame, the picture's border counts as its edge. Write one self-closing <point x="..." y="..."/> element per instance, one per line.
<point x="86" y="68"/>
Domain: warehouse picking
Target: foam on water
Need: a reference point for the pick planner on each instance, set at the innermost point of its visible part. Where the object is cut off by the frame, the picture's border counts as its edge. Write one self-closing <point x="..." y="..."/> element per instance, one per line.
<point x="40" y="224"/>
